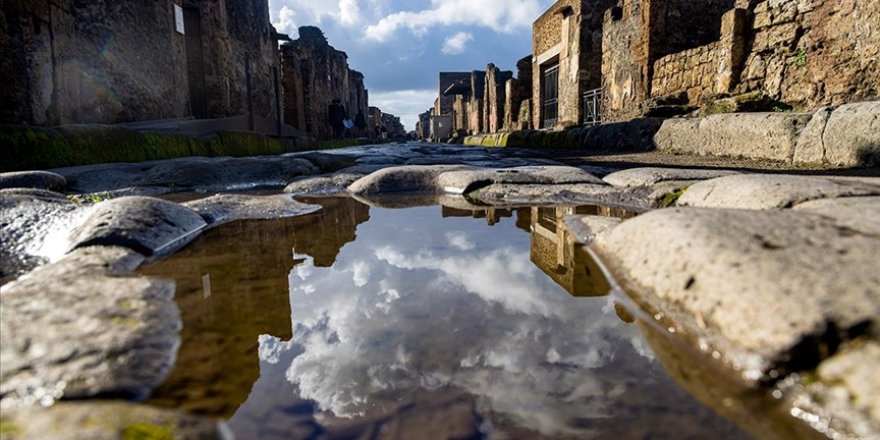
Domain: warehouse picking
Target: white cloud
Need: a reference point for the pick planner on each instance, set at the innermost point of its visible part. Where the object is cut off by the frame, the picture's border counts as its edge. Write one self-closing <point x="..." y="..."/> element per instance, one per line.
<point x="361" y="273"/>
<point x="498" y="15"/>
<point x="407" y="104"/>
<point x="460" y="240"/>
<point x="457" y="43"/>
<point x="290" y="13"/>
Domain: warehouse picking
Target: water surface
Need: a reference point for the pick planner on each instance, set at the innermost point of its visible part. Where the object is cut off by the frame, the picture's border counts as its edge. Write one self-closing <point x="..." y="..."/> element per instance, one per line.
<point x="359" y="322"/>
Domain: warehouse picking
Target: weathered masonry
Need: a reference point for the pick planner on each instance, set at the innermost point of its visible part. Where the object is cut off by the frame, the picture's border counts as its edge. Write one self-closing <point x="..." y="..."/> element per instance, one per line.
<point x="567" y="63"/>
<point x="103" y="61"/>
<point x="804" y="53"/>
<point x="314" y="74"/>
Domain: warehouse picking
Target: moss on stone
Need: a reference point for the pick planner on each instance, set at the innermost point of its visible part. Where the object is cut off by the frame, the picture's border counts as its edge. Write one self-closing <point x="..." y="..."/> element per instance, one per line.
<point x="671" y="198"/>
<point x="147" y="431"/>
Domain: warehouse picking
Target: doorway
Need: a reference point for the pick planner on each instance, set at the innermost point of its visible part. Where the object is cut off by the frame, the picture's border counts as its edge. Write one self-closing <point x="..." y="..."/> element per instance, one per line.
<point x="550" y="95"/>
<point x="195" y="63"/>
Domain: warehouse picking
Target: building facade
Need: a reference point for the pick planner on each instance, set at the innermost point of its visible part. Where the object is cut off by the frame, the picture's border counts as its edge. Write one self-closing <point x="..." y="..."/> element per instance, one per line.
<point x="121" y="61"/>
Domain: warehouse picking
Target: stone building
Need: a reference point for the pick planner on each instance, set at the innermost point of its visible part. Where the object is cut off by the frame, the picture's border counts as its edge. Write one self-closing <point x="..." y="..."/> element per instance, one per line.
<point x="567" y="60"/>
<point x="518" y="97"/>
<point x="804" y="53"/>
<point x="494" y="98"/>
<point x="314" y="74"/>
<point x="102" y="61"/>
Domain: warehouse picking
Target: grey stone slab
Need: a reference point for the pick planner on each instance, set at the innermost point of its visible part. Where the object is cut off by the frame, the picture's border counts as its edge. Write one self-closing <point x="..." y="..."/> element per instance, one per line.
<point x="561" y="195"/>
<point x="436" y="160"/>
<point x="150" y="226"/>
<point x="335" y="185"/>
<point x="405" y="179"/>
<point x="861" y="214"/>
<point x="466" y="181"/>
<point x="652" y="176"/>
<point x="770" y="136"/>
<point x="85" y="326"/>
<point x="381" y="160"/>
<point x="33" y="179"/>
<point x="108" y="420"/>
<point x="810" y="148"/>
<point x="766" y="290"/>
<point x="223" y="208"/>
<point x="761" y="191"/>
<point x="852" y="135"/>
<point x="327" y="163"/>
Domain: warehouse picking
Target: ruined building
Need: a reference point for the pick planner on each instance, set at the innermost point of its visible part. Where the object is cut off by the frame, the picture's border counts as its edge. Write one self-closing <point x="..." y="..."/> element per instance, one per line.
<point x="567" y="61"/>
<point x="614" y="60"/>
<point x="103" y="61"/>
<point x="314" y="74"/>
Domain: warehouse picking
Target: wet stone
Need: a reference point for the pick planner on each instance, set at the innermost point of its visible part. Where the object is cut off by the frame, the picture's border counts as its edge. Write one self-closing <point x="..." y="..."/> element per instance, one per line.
<point x="587" y="227"/>
<point x="405" y="179"/>
<point x="29" y="226"/>
<point x="323" y="186"/>
<point x="567" y="194"/>
<point x="33" y="179"/>
<point x="107" y="420"/>
<point x="150" y="226"/>
<point x="85" y="326"/>
<point x="224" y="208"/>
<point x="327" y="163"/>
<point x="466" y="181"/>
<point x="762" y="191"/>
<point x="652" y="176"/>
<point x="767" y="289"/>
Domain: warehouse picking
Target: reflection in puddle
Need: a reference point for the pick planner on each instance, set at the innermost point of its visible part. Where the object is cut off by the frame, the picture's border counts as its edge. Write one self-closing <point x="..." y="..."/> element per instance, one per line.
<point x="430" y="324"/>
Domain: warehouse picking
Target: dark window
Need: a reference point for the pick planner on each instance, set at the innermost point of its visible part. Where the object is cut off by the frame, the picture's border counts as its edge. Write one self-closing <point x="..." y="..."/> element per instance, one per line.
<point x="550" y="89"/>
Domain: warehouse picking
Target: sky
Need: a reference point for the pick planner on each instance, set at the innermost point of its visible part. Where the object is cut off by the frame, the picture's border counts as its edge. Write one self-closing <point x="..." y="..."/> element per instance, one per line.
<point x="402" y="45"/>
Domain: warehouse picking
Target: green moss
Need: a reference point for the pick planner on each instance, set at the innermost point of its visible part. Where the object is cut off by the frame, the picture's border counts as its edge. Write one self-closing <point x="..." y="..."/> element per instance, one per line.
<point x="147" y="431"/>
<point x="338" y="143"/>
<point x="8" y="428"/>
<point x="669" y="199"/>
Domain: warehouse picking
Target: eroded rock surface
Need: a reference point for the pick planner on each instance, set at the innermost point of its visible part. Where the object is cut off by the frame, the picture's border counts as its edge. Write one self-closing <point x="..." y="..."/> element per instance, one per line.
<point x="33" y="179"/>
<point x="466" y="181"/>
<point x="773" y="191"/>
<point x="651" y="176"/>
<point x="771" y="290"/>
<point x="86" y="326"/>
<point x="108" y="420"/>
<point x="335" y="185"/>
<point x="150" y="226"/>
<point x="224" y="208"/>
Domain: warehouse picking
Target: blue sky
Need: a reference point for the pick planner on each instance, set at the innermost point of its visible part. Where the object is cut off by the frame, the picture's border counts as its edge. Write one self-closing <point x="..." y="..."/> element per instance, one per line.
<point x="400" y="46"/>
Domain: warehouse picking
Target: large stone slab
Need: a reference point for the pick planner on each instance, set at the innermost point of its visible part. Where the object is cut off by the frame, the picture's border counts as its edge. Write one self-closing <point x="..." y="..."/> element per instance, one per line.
<point x="150" y="226"/>
<point x="770" y="291"/>
<point x="335" y="185"/>
<point x="466" y="181"/>
<point x="562" y="195"/>
<point x="108" y="420"/>
<point x="852" y="135"/>
<point x="404" y="179"/>
<point x="772" y="136"/>
<point x="861" y="214"/>
<point x="224" y="208"/>
<point x="651" y="176"/>
<point x="762" y="191"/>
<point x="85" y="326"/>
<point x="33" y="179"/>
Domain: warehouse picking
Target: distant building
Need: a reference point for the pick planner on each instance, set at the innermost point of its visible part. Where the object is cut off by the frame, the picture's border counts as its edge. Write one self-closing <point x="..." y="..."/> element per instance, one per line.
<point x="314" y="74"/>
<point x="119" y="61"/>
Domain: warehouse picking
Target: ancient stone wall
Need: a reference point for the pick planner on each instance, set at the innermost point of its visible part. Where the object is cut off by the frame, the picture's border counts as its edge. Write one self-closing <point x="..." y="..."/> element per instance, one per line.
<point x="625" y="75"/>
<point x="476" y="123"/>
<point x="460" y="119"/>
<point x="811" y="53"/>
<point x="90" y="62"/>
<point x="314" y="74"/>
<point x="518" y="89"/>
<point x="447" y="79"/>
<point x="494" y="98"/>
<point x="693" y="70"/>
<point x="104" y="61"/>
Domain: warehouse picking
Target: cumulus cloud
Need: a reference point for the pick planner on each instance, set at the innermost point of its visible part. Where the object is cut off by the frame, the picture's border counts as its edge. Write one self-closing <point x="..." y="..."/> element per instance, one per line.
<point x="459" y="240"/>
<point x="290" y="13"/>
<point x="498" y="15"/>
<point x="407" y="104"/>
<point x="457" y="43"/>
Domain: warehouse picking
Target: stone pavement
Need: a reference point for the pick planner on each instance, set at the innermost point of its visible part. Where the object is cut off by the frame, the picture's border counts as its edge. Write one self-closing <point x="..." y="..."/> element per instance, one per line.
<point x="772" y="278"/>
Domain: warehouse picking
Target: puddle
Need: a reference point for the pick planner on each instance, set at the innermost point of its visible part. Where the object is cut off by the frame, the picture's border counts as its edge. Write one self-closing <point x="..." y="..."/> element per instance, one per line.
<point x="359" y="322"/>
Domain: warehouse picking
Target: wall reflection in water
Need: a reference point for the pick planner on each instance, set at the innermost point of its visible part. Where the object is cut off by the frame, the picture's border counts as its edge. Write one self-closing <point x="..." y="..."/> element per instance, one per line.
<point x="429" y="325"/>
